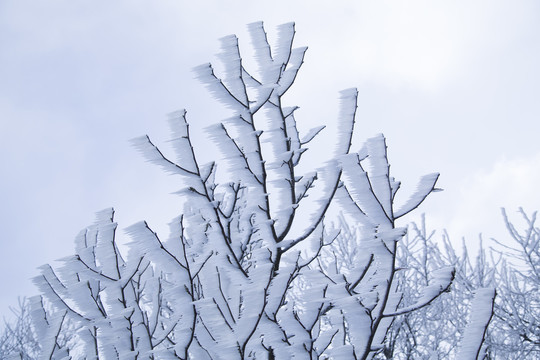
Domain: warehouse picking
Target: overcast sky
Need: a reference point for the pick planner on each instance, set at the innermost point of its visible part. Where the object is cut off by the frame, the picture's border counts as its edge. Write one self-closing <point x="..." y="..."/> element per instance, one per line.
<point x="454" y="86"/>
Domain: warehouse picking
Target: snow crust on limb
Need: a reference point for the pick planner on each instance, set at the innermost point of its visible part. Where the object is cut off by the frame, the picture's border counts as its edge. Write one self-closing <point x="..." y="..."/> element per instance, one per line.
<point x="481" y="313"/>
<point x="347" y="119"/>
<point x="442" y="279"/>
<point x="425" y="186"/>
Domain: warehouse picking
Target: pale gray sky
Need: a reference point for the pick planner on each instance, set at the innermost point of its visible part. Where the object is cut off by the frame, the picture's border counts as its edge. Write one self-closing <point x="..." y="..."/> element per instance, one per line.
<point x="453" y="85"/>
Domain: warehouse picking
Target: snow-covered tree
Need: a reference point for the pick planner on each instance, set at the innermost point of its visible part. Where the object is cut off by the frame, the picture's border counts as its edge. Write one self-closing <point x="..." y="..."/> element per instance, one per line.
<point x="18" y="340"/>
<point x="517" y="311"/>
<point x="247" y="272"/>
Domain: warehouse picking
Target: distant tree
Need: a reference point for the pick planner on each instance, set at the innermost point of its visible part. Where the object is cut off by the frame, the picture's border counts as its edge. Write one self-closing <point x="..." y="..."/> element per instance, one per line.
<point x="517" y="315"/>
<point x="18" y="340"/>
<point x="514" y="313"/>
<point x="248" y="272"/>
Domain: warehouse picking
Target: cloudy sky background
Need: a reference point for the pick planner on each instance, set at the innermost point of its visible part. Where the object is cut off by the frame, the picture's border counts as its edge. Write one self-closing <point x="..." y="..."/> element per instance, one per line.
<point x="453" y="85"/>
